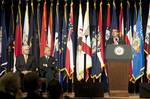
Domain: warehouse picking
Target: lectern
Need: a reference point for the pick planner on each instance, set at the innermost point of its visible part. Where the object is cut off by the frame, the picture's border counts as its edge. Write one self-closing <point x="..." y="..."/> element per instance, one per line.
<point x="118" y="58"/>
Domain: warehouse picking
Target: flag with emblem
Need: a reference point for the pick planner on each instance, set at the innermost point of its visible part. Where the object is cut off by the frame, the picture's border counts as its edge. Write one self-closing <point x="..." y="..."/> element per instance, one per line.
<point x="56" y="42"/>
<point x="80" y="54"/>
<point x="96" y="69"/>
<point x="86" y="42"/>
<point x="138" y="49"/>
<point x="69" y="63"/>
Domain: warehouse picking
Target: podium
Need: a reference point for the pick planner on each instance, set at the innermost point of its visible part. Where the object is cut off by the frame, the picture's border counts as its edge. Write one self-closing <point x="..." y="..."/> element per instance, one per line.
<point x="118" y="62"/>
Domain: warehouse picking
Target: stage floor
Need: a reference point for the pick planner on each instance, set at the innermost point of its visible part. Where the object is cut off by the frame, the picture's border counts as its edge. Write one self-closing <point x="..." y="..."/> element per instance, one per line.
<point x="106" y="96"/>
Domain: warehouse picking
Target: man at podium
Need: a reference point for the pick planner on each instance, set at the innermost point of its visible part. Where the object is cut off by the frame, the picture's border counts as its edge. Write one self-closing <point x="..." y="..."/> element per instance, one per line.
<point x="115" y="39"/>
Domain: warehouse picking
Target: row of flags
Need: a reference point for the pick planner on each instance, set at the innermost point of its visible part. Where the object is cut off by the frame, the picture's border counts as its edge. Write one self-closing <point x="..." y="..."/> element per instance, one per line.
<point x="91" y="38"/>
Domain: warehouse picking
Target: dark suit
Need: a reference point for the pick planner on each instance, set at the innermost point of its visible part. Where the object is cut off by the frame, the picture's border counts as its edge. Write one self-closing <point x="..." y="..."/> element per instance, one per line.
<point x="22" y="66"/>
<point x="47" y="68"/>
<point x="111" y="41"/>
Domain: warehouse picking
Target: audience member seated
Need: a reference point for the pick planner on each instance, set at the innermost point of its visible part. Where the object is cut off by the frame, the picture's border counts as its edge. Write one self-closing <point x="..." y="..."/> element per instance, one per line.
<point x="54" y="90"/>
<point x="31" y="86"/>
<point x="9" y="86"/>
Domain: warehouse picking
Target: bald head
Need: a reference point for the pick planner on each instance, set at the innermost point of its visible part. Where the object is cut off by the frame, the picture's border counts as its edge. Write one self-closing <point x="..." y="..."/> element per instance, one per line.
<point x="25" y="49"/>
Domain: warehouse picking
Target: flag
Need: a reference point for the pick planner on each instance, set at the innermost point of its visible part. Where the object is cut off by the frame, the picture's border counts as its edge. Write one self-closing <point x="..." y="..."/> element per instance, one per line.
<point x="86" y="41"/>
<point x="63" y="42"/>
<point x="114" y="22"/>
<point x="134" y="21"/>
<point x="18" y="36"/>
<point x="62" y="48"/>
<point x="56" y="42"/>
<point x="128" y="36"/>
<point x="128" y="33"/>
<point x="96" y="69"/>
<point x="69" y="63"/>
<point x="107" y="32"/>
<point x="50" y="39"/>
<point x="146" y="45"/>
<point x="11" y="39"/>
<point x="138" y="49"/>
<point x="101" y="51"/>
<point x="38" y="20"/>
<point x="31" y="30"/>
<point x="80" y="54"/>
<point x="4" y="39"/>
<point x="43" y="40"/>
<point x="26" y="27"/>
<point x="121" y="22"/>
<point x="34" y="37"/>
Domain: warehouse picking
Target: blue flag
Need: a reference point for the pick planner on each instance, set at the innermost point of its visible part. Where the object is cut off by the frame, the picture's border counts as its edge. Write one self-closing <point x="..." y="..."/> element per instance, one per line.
<point x="34" y="37"/>
<point x="4" y="40"/>
<point x="114" y="21"/>
<point x="62" y="54"/>
<point x="96" y="70"/>
<point x="56" y="41"/>
<point x="138" y="50"/>
<point x="11" y="40"/>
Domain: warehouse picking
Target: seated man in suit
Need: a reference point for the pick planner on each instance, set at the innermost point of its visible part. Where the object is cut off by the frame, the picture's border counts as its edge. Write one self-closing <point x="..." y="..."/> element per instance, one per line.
<point x="47" y="65"/>
<point x="47" y="68"/>
<point x="115" y="39"/>
<point x="25" y="62"/>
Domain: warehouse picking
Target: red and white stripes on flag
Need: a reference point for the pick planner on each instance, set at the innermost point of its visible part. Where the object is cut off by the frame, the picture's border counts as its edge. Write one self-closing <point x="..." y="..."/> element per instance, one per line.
<point x="146" y="45"/>
<point x="80" y="54"/>
<point x="86" y="41"/>
<point x="26" y="27"/>
<point x="69" y="50"/>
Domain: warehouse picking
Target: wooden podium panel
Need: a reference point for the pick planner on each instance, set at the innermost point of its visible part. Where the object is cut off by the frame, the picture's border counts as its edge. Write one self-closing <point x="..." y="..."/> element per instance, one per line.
<point x="117" y="77"/>
<point x="118" y="62"/>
